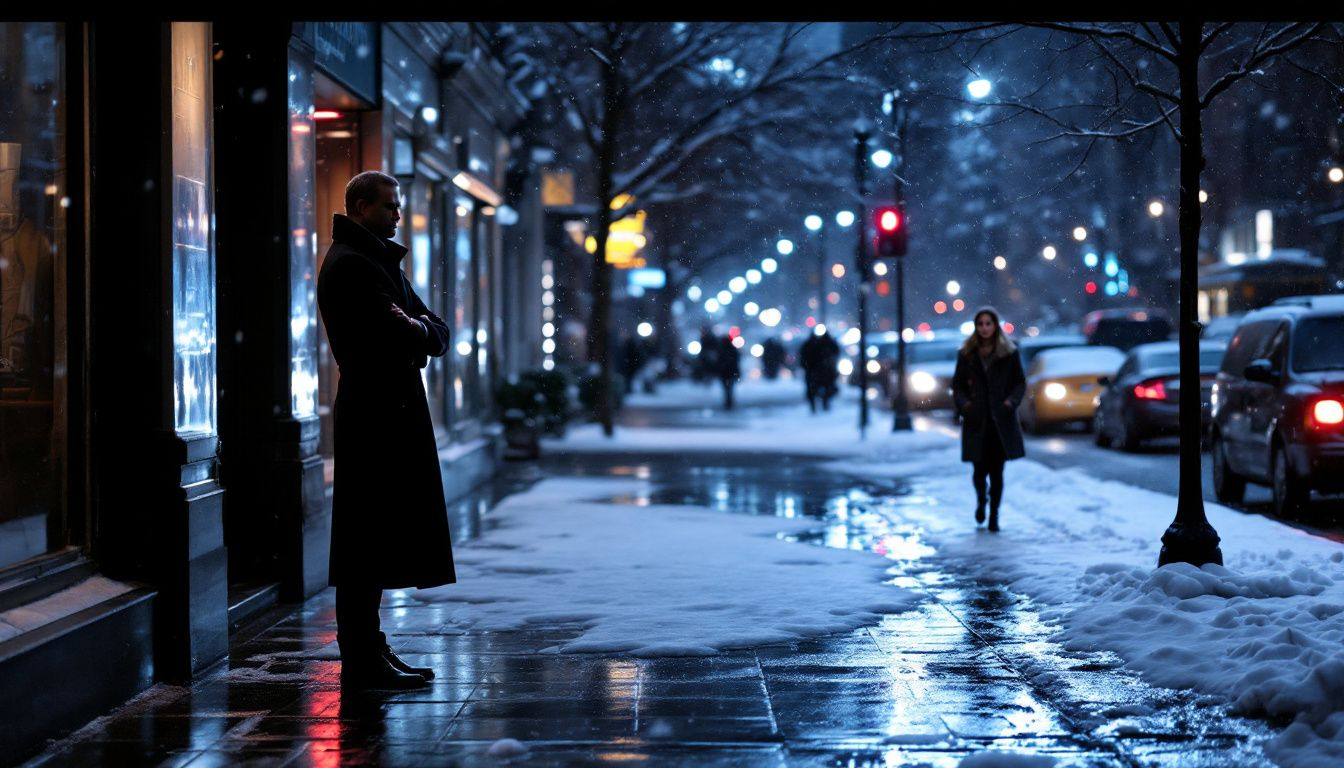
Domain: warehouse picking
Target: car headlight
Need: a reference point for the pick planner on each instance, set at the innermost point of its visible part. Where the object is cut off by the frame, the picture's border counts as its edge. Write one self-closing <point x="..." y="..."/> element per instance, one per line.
<point x="1055" y="391"/>
<point x="923" y="382"/>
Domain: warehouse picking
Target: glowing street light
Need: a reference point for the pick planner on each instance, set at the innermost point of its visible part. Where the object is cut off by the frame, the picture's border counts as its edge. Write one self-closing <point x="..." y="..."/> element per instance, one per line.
<point x="844" y="218"/>
<point x="953" y="287"/>
<point x="1156" y="208"/>
<point x="979" y="88"/>
<point x="1335" y="174"/>
<point x="693" y="293"/>
<point x="1049" y="253"/>
<point x="768" y="266"/>
<point x="812" y="222"/>
<point x="1000" y="262"/>
<point x="712" y="305"/>
<point x="770" y="317"/>
<point x="725" y="297"/>
<point x="753" y="276"/>
<point x="882" y="158"/>
<point x="1079" y="234"/>
<point x="784" y="246"/>
<point x="645" y="330"/>
<point x="737" y="284"/>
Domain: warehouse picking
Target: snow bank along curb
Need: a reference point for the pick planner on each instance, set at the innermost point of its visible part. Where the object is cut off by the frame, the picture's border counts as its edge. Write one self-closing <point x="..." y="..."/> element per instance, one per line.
<point x="1265" y="633"/>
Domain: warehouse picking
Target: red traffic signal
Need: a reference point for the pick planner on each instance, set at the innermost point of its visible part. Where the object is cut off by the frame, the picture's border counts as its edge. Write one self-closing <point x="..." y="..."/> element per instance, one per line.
<point x="888" y="219"/>
<point x="890" y="225"/>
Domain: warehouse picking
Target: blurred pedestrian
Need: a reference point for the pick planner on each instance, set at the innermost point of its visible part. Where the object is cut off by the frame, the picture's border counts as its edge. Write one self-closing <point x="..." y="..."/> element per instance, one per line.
<point x="772" y="358"/>
<point x="729" y="369"/>
<point x="987" y="387"/>
<point x="633" y="357"/>
<point x="818" y="357"/>
<point x="707" y="362"/>
<point x="389" y="522"/>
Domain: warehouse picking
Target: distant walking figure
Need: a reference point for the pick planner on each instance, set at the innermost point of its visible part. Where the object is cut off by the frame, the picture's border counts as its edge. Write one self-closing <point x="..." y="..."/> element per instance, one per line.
<point x="389" y="526"/>
<point x="987" y="387"/>
<point x="730" y="369"/>
<point x="818" y="356"/>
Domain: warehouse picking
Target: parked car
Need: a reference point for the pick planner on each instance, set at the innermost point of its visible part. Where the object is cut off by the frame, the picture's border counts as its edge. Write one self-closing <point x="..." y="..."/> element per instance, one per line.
<point x="1221" y="328"/>
<point x="1278" y="404"/>
<point x="1062" y="386"/>
<point x="1125" y="329"/>
<point x="1143" y="399"/>
<point x="1031" y="346"/>
<point x="929" y="364"/>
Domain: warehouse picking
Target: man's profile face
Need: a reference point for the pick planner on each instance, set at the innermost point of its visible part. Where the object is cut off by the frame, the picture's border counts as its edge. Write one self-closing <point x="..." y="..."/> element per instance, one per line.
<point x="381" y="216"/>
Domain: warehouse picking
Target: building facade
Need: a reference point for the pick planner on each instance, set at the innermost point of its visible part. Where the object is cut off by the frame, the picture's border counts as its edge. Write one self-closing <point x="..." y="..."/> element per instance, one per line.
<point x="165" y="382"/>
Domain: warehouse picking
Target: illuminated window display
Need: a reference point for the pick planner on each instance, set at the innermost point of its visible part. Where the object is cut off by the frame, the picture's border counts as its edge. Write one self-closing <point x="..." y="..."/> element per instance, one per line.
<point x="32" y="257"/>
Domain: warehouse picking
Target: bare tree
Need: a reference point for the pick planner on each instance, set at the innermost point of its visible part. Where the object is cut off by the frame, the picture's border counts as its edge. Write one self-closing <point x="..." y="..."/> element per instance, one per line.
<point x="1155" y="71"/>
<point x="647" y="100"/>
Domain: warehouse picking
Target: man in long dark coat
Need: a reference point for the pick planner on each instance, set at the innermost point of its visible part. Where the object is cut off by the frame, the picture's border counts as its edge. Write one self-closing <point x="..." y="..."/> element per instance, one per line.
<point x="389" y="524"/>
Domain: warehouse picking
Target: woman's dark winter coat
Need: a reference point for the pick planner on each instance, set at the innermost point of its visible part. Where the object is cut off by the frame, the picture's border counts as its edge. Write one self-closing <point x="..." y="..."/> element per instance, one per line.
<point x="389" y="526"/>
<point x="979" y="394"/>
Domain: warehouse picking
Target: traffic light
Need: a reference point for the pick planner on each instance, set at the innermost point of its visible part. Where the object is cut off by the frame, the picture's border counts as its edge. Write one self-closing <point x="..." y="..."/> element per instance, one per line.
<point x="889" y="222"/>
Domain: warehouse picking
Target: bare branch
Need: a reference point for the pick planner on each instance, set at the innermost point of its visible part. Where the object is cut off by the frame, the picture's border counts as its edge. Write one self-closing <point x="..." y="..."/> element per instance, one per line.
<point x="1281" y="41"/>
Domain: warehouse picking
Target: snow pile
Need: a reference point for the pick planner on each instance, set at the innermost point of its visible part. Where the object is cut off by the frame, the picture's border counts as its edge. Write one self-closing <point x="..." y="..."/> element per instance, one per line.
<point x="1265" y="633"/>
<point x="657" y="580"/>
<point x="59" y="605"/>
<point x="505" y="749"/>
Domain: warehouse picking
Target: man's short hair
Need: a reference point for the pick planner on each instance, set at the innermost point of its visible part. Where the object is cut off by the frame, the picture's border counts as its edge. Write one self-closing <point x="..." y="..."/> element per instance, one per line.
<point x="365" y="187"/>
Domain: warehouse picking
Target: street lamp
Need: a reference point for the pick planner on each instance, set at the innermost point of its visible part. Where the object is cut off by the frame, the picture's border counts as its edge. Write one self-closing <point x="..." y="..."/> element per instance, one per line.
<point x="1079" y="234"/>
<point x="844" y="218"/>
<point x="1335" y="174"/>
<point x="784" y="246"/>
<point x="1049" y="253"/>
<point x="900" y="403"/>
<point x="863" y="129"/>
<point x="814" y="224"/>
<point x="1156" y="208"/>
<point x="953" y="287"/>
<point x="979" y="88"/>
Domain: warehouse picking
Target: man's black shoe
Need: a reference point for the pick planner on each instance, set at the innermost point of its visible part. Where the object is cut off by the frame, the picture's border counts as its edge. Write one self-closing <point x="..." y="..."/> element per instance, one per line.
<point x="377" y="672"/>
<point x="402" y="666"/>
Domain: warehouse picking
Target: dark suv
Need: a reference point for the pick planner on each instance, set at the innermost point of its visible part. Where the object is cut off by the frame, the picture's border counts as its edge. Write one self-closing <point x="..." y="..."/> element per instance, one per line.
<point x="1278" y="403"/>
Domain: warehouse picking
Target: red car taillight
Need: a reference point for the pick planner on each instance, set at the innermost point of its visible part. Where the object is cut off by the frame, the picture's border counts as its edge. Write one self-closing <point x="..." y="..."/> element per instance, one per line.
<point x="1151" y="390"/>
<point x="1326" y="413"/>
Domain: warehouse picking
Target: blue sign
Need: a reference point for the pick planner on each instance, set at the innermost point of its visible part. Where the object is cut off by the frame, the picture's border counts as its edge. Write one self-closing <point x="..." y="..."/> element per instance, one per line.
<point x="647" y="277"/>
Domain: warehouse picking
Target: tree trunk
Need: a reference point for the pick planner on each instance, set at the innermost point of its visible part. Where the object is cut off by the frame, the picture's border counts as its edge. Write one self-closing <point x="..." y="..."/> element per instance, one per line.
<point x="599" y="330"/>
<point x="1190" y="538"/>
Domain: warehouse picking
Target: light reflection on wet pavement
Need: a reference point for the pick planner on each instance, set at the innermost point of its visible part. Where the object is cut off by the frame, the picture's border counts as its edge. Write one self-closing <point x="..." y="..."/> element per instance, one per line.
<point x="971" y="669"/>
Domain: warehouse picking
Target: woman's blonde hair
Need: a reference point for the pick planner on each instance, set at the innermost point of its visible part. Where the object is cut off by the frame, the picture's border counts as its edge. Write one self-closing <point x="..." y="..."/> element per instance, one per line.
<point x="1003" y="347"/>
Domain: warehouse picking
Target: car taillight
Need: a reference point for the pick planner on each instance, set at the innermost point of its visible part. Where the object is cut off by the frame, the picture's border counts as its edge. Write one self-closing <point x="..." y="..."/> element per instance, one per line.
<point x="1150" y="390"/>
<point x="1327" y="412"/>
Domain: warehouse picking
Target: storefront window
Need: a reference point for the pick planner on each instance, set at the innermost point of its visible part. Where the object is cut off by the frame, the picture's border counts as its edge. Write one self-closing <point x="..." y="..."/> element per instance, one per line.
<point x="465" y="371"/>
<point x="484" y="311"/>
<point x="193" y="235"/>
<point x="32" y="258"/>
<point x="303" y="241"/>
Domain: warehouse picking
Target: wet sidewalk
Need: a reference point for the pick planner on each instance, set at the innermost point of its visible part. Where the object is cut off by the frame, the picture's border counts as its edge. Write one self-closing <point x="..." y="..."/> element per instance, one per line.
<point x="971" y="670"/>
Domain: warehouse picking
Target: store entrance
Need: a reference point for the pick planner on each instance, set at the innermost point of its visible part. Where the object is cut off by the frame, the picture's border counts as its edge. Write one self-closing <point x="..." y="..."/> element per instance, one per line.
<point x="338" y="160"/>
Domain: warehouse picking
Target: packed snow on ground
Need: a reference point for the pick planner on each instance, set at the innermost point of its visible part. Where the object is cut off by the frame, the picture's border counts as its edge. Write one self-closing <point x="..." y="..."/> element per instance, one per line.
<point x="69" y="601"/>
<point x="1266" y="632"/>
<point x="785" y="429"/>
<point x="659" y="580"/>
